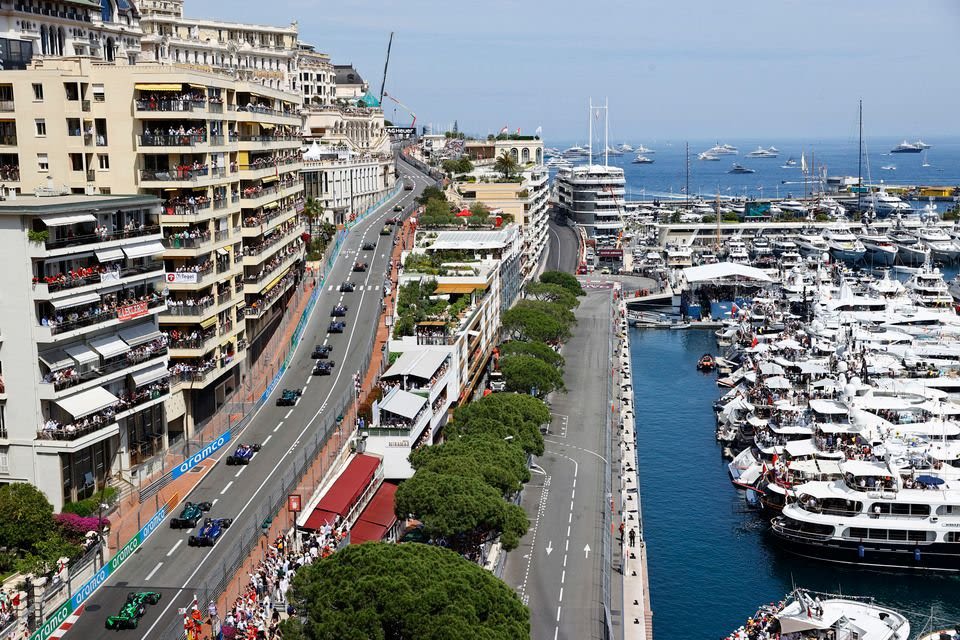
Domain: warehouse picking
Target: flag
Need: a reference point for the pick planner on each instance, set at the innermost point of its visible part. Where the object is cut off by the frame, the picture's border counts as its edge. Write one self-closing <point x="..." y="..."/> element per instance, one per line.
<point x="803" y="163"/>
<point x="518" y="130"/>
<point x="539" y="130"/>
<point x="504" y="130"/>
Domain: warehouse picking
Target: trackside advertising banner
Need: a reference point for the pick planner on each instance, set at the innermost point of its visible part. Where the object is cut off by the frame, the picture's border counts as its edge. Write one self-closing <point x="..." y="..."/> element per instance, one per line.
<point x="90" y="586"/>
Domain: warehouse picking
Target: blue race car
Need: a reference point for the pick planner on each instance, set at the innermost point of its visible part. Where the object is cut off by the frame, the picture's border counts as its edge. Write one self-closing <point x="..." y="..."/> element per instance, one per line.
<point x="243" y="454"/>
<point x="210" y="532"/>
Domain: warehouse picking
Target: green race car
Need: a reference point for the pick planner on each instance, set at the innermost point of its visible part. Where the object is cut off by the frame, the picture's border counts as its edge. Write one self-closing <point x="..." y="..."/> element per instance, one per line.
<point x="132" y="610"/>
<point x="190" y="516"/>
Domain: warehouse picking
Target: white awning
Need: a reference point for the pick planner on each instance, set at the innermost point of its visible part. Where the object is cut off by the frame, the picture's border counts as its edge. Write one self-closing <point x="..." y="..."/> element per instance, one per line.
<point x="721" y="271"/>
<point x="422" y="364"/>
<point x="158" y="371"/>
<point x="56" y="359"/>
<point x="222" y="252"/>
<point x="109" y="255"/>
<point x="797" y="448"/>
<point x="82" y="353"/>
<point x="75" y="301"/>
<point x="139" y="333"/>
<point x="90" y="401"/>
<point x="109" y="346"/>
<point x="67" y="218"/>
<point x="143" y="250"/>
<point x="831" y="407"/>
<point x="403" y="403"/>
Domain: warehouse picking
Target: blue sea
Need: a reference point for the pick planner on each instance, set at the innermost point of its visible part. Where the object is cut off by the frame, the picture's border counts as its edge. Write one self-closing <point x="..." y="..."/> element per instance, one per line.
<point x="711" y="563"/>
<point x="667" y="175"/>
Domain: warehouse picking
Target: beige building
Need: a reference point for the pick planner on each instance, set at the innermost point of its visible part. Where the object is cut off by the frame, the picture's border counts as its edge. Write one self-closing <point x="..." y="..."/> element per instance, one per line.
<point x="222" y="156"/>
<point x="317" y="78"/>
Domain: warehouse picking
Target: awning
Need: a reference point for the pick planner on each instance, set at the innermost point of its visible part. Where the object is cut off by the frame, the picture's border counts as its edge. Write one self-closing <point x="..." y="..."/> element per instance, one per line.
<point x="198" y="86"/>
<point x="345" y="491"/>
<point x="798" y="448"/>
<point x="276" y="280"/>
<point x="363" y="531"/>
<point x="831" y="407"/>
<point x="269" y="179"/>
<point x="222" y="252"/>
<point x="90" y="401"/>
<point x="459" y="287"/>
<point x="422" y="364"/>
<point x="403" y="403"/>
<point x="82" y="354"/>
<point x="75" y="301"/>
<point x="264" y="125"/>
<point x="176" y="86"/>
<point x="56" y="359"/>
<point x="109" y="346"/>
<point x="271" y="205"/>
<point x="380" y="509"/>
<point x="64" y="219"/>
<point x="209" y="322"/>
<point x="139" y="333"/>
<point x="144" y="249"/>
<point x="109" y="255"/>
<point x="158" y="371"/>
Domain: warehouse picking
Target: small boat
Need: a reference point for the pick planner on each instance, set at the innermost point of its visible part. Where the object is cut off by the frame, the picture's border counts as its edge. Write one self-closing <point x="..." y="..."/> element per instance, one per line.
<point x="889" y="167"/>
<point x="642" y="159"/>
<point x="943" y="634"/>
<point x="789" y="164"/>
<point x="707" y="156"/>
<point x="760" y="152"/>
<point x="706" y="363"/>
<point x="737" y="168"/>
<point x="679" y="326"/>
<point x="643" y="149"/>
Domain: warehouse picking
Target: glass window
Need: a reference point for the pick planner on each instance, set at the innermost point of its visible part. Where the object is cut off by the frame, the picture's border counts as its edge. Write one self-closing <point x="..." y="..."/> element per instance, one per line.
<point x="37" y="91"/>
<point x="41" y="125"/>
<point x="104" y="160"/>
<point x="43" y="164"/>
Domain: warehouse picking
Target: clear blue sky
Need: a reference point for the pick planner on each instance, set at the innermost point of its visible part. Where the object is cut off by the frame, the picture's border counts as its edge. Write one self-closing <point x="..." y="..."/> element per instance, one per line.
<point x="672" y="69"/>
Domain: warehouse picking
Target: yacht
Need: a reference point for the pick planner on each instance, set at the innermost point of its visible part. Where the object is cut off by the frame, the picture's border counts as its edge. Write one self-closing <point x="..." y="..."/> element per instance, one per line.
<point x="679" y="257"/>
<point x="910" y="251"/>
<point x="939" y="242"/>
<point x="790" y="260"/>
<point x="831" y="207"/>
<point x="625" y="148"/>
<point x="761" y="247"/>
<point x="558" y="162"/>
<point x="889" y="167"/>
<point x="880" y="249"/>
<point x="643" y="149"/>
<point x="793" y="206"/>
<point x="908" y="147"/>
<point x="738" y="168"/>
<point x="844" y="245"/>
<point x="723" y="150"/>
<point x="789" y="164"/>
<point x="642" y="159"/>
<point x="707" y="156"/>
<point x="760" y="152"/>
<point x="773" y="149"/>
<point x="737" y="251"/>
<point x="576" y="151"/>
<point x="811" y="243"/>
<point x="612" y="151"/>
<point x="954" y="287"/>
<point x="784" y="244"/>
<point x="887" y="204"/>
<point x="921" y="144"/>
<point x="927" y="289"/>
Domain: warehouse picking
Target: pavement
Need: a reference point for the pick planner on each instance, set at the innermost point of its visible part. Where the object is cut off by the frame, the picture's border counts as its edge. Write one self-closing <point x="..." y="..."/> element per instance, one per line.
<point x="563" y="248"/>
<point x="558" y="567"/>
<point x="165" y="563"/>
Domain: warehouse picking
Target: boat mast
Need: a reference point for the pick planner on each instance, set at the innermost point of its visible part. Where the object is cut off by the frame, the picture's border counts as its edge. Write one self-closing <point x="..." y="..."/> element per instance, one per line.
<point x="590" y="139"/>
<point x="606" y="132"/>
<point x="718" y="218"/>
<point x="688" y="172"/>
<point x="860" y="163"/>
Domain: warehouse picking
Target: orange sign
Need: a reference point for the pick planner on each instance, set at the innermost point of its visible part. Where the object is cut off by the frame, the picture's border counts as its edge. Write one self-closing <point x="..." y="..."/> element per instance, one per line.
<point x="293" y="503"/>
<point x="131" y="311"/>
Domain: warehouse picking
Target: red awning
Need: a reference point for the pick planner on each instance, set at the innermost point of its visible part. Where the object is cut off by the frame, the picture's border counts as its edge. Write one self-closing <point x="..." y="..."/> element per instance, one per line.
<point x="367" y="531"/>
<point x="380" y="509"/>
<point x="318" y="518"/>
<point x="346" y="490"/>
<point x="464" y="213"/>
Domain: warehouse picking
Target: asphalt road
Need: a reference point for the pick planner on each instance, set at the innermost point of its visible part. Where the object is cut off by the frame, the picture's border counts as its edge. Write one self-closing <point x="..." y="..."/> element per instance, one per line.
<point x="564" y="250"/>
<point x="165" y="563"/>
<point x="557" y="568"/>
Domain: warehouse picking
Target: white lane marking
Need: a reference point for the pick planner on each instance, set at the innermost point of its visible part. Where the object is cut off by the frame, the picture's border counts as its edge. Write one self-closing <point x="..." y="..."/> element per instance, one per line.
<point x="215" y="501"/>
<point x="277" y="428"/>
<point x="227" y="488"/>
<point x="331" y="288"/>
<point x="242" y="469"/>
<point x="327" y="339"/>
<point x="308" y="381"/>
<point x="174" y="549"/>
<point x="266" y="440"/>
<point x="288" y="414"/>
<point x="155" y="569"/>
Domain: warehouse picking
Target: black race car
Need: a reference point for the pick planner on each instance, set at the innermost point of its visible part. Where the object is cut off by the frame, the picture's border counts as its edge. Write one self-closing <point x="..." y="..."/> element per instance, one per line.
<point x="338" y="311"/>
<point x="190" y="515"/>
<point x="210" y="532"/>
<point x="323" y="368"/>
<point x="359" y="266"/>
<point x="347" y="287"/>
<point x="243" y="454"/>
<point x="321" y="351"/>
<point x="337" y="326"/>
<point x="369" y="246"/>
<point x="398" y="207"/>
<point x="132" y="610"/>
<point x="289" y="397"/>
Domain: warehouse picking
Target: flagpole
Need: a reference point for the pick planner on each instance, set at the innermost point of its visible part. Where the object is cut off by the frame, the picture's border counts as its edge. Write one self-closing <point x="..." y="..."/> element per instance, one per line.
<point x="590" y="140"/>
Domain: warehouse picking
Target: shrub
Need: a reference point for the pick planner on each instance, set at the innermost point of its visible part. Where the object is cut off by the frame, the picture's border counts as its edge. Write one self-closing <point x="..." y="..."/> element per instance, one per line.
<point x="91" y="505"/>
<point x="75" y="528"/>
<point x="38" y="237"/>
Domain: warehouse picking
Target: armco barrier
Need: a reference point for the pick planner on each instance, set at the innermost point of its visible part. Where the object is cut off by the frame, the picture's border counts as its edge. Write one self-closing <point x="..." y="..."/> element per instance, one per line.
<point x="200" y="456"/>
<point x="81" y="595"/>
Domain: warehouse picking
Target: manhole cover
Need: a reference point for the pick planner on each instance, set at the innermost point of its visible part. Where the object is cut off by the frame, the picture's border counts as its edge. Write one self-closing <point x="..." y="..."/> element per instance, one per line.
<point x="196" y="470"/>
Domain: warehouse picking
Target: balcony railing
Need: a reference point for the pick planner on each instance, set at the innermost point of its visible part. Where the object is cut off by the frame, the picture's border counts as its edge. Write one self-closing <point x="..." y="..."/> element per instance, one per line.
<point x="7" y="105"/>
<point x="168" y="104"/>
<point x="171" y="140"/>
<point x="103" y="236"/>
<point x="180" y="175"/>
<point x="253" y="194"/>
<point x="73" y="282"/>
<point x="10" y="173"/>
<point x="198" y="309"/>
<point x="8" y="140"/>
<point x="130" y="359"/>
<point x="175" y="242"/>
<point x="269" y="138"/>
<point x="275" y="238"/>
<point x="95" y="318"/>
<point x="256" y="108"/>
<point x="185" y="209"/>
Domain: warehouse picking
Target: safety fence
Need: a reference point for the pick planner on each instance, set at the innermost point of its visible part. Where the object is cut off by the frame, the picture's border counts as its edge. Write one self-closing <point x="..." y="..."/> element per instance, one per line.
<point x="608" y="512"/>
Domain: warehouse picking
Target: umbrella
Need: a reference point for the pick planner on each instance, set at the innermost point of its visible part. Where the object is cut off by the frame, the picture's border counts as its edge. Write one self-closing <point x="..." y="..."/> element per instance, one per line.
<point x="826" y="383"/>
<point x="464" y="213"/>
<point x="813" y="368"/>
<point x="777" y="382"/>
<point x="790" y="344"/>
<point x="771" y="369"/>
<point x="933" y="480"/>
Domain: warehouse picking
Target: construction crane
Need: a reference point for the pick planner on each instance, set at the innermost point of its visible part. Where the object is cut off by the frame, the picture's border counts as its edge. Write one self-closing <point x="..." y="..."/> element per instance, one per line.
<point x="386" y="64"/>
<point x="405" y="107"/>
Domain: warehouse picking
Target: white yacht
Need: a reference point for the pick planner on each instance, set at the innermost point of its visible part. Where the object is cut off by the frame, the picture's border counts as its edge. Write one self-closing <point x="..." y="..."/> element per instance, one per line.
<point x="880" y="249"/>
<point x="626" y="148"/>
<point x="927" y="289"/>
<point x="910" y="251"/>
<point x="679" y="257"/>
<point x="790" y="260"/>
<point x="954" y="287"/>
<point x="642" y="159"/>
<point x="761" y="247"/>
<point x="760" y="152"/>
<point x="644" y="150"/>
<point x="811" y="243"/>
<point x="576" y="151"/>
<point x="789" y="164"/>
<point x="941" y="245"/>
<point x="784" y="244"/>
<point x="558" y="162"/>
<point x="908" y="147"/>
<point x="737" y="251"/>
<point x="706" y="155"/>
<point x="843" y="244"/>
<point x="793" y="206"/>
<point x="722" y="150"/>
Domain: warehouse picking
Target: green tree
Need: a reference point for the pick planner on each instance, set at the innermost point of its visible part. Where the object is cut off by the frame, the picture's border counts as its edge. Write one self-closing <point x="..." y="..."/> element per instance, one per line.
<point x="479" y="213"/>
<point x="565" y="280"/>
<point x="536" y="349"/>
<point x="437" y="213"/>
<point x="505" y="165"/>
<point x="26" y="516"/>
<point x="313" y="210"/>
<point x="500" y="463"/>
<point x="431" y="193"/>
<point x="529" y="374"/>
<point x="45" y="553"/>
<point x="528" y="324"/>
<point x="460" y="165"/>
<point x="550" y="292"/>
<point x="380" y="591"/>
<point x="463" y="510"/>
<point x="503" y="415"/>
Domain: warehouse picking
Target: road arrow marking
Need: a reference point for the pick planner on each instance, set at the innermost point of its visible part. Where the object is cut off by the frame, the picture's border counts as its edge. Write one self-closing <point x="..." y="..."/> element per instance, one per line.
<point x="586" y="551"/>
<point x="549" y="548"/>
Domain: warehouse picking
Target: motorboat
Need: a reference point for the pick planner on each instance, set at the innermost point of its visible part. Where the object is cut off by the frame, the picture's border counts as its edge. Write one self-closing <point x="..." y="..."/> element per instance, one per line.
<point x="843" y="244"/>
<point x="793" y="206"/>
<point x="737" y="251"/>
<point x="908" y="147"/>
<point x="760" y="152"/>
<point x="706" y="363"/>
<point x="889" y="167"/>
<point x="576" y="151"/>
<point x="738" y="168"/>
<point x="790" y="164"/>
<point x="626" y="148"/>
<point x="558" y="162"/>
<point x="790" y="260"/>
<point x="881" y="251"/>
<point x="941" y="245"/>
<point x="642" y="159"/>
<point x="887" y="204"/>
<point x="910" y="251"/>
<point x="707" y="156"/>
<point x="928" y="290"/>
<point x="784" y="244"/>
<point x="831" y="207"/>
<point x="722" y="150"/>
<point x="761" y="247"/>
<point x="644" y="150"/>
<point x="811" y="243"/>
<point x="679" y="257"/>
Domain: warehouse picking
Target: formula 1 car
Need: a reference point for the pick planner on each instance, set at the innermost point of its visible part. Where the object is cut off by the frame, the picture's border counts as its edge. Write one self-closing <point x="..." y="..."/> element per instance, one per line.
<point x="337" y="326"/>
<point x="359" y="265"/>
<point x="243" y="454"/>
<point x="323" y="368"/>
<point x="347" y="287"/>
<point x="386" y="230"/>
<point x="289" y="397"/>
<point x="321" y="351"/>
<point x="132" y="610"/>
<point x="368" y="246"/>
<point x="190" y="515"/>
<point x="210" y="532"/>
<point x="338" y="311"/>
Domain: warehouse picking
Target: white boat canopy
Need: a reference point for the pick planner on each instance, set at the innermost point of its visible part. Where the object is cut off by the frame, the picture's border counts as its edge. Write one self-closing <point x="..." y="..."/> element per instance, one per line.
<point x="724" y="271"/>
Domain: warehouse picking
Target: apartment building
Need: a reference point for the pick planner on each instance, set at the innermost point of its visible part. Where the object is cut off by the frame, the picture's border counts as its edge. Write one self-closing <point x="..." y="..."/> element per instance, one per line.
<point x="318" y="79"/>
<point x="86" y="363"/>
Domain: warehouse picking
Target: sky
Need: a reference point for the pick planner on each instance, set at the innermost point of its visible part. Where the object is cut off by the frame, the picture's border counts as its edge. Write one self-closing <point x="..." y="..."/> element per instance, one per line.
<point x="696" y="69"/>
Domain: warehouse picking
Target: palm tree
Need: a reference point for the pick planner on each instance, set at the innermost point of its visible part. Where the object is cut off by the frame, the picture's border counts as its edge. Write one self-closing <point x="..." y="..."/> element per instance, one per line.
<point x="313" y="210"/>
<point x="506" y="165"/>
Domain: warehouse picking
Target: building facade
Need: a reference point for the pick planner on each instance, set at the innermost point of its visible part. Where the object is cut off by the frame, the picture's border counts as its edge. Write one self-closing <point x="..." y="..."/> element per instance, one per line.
<point x="81" y="296"/>
<point x="591" y="196"/>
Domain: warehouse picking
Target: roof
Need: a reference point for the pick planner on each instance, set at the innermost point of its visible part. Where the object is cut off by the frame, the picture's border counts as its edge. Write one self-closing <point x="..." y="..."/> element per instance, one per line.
<point x="346" y="74"/>
<point x="459" y="287"/>
<point x="377" y="519"/>
<point x="828" y="407"/>
<point x="33" y="205"/>
<point x="422" y="364"/>
<point x="473" y="239"/>
<point x="403" y="403"/>
<point x="724" y="271"/>
<point x="346" y="490"/>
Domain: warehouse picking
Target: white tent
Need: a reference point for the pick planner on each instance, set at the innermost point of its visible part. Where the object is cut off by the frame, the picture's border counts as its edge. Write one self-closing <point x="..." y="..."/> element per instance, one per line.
<point x="724" y="271"/>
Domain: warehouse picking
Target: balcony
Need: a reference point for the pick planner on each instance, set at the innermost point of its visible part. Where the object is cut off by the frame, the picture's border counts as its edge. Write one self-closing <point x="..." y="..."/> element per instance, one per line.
<point x="69" y="239"/>
<point x="7" y="106"/>
<point x="81" y="284"/>
<point x="58" y="381"/>
<point x="177" y="177"/>
<point x="254" y="284"/>
<point x="194" y="347"/>
<point x="175" y="140"/>
<point x="8" y="140"/>
<point x="258" y="196"/>
<point x="260" y="251"/>
<point x="254" y="226"/>
<point x="99" y="318"/>
<point x="254" y="143"/>
<point x="147" y="106"/>
<point x="200" y="241"/>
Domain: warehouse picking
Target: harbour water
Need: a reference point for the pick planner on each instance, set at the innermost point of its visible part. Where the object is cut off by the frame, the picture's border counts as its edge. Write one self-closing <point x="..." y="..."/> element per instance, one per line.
<point x="710" y="560"/>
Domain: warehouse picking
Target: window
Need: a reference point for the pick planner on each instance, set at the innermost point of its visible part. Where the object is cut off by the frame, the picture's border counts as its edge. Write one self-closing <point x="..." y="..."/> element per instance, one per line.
<point x="98" y="95"/>
<point x="41" y="125"/>
<point x="76" y="161"/>
<point x="105" y="191"/>
<point x="73" y="127"/>
<point x="4" y="459"/>
<point x="37" y="91"/>
<point x="43" y="164"/>
<point x="104" y="160"/>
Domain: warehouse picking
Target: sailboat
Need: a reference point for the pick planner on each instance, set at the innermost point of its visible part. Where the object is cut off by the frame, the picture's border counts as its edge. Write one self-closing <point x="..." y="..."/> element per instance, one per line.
<point x="925" y="162"/>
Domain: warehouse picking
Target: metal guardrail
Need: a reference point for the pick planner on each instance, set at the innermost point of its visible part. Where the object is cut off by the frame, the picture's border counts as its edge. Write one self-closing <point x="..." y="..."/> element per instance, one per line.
<point x="607" y="564"/>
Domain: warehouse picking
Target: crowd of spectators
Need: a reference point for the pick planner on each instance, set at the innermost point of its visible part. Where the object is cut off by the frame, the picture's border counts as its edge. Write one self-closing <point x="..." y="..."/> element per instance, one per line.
<point x="181" y="306"/>
<point x="257" y="190"/>
<point x="99" y="312"/>
<point x="9" y="172"/>
<point x="187" y="237"/>
<point x="188" y="371"/>
<point x="274" y="263"/>
<point x="9" y="603"/>
<point x="77" y="277"/>
<point x="186" y="205"/>
<point x="189" y="339"/>
<point x="275" y="235"/>
<point x="54" y="429"/>
<point x="174" y="101"/>
<point x="141" y="395"/>
<point x="200" y="267"/>
<point x="174" y="136"/>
